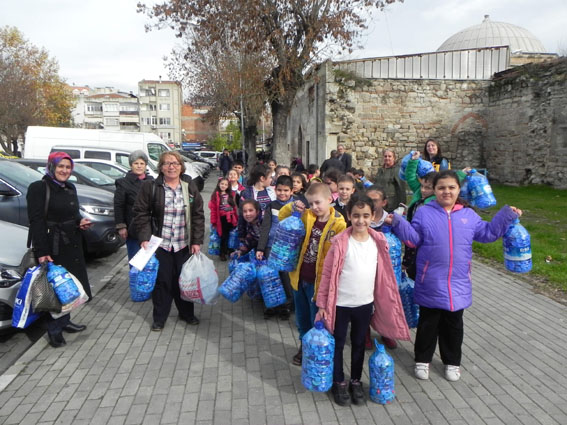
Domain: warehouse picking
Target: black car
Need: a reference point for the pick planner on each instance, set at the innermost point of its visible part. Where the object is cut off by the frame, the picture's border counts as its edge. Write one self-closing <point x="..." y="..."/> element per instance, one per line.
<point x="81" y="174"/>
<point x="95" y="204"/>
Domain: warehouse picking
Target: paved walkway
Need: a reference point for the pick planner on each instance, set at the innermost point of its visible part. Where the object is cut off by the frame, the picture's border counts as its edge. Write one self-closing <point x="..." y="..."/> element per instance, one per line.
<point x="235" y="367"/>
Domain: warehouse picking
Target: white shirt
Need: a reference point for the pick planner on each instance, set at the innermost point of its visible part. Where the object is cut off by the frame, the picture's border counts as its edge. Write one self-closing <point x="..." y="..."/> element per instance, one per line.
<point x="356" y="281"/>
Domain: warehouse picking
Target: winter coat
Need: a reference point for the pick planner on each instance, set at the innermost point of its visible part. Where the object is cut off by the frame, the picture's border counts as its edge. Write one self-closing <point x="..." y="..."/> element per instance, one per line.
<point x="332" y="163"/>
<point x="127" y="189"/>
<point x="58" y="235"/>
<point x="149" y="210"/>
<point x="444" y="241"/>
<point x="225" y="163"/>
<point x="388" y="319"/>
<point x="335" y="225"/>
<point x="389" y="180"/>
<point x="214" y="207"/>
<point x="270" y="223"/>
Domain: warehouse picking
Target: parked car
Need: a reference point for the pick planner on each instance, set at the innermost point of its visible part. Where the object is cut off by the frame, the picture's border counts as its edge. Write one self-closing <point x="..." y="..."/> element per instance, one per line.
<point x="95" y="204"/>
<point x="81" y="174"/>
<point x="108" y="168"/>
<point x="12" y="250"/>
<point x="209" y="154"/>
<point x="212" y="163"/>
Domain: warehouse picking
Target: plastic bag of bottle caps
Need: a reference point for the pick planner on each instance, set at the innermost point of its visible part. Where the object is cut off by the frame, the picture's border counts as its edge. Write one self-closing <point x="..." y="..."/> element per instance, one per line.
<point x="63" y="284"/>
<point x="317" y="362"/>
<point x="381" y="371"/>
<point x="480" y="191"/>
<point x="411" y="310"/>
<point x="238" y="282"/>
<point x="233" y="241"/>
<point x="214" y="242"/>
<point x="142" y="282"/>
<point x="516" y="243"/>
<point x="423" y="167"/>
<point x="235" y="260"/>
<point x="395" y="252"/>
<point x="271" y="285"/>
<point x="287" y="244"/>
<point x="465" y="193"/>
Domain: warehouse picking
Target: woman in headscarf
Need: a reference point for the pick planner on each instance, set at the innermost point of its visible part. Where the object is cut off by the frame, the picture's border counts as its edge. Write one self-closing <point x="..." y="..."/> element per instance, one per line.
<point x="55" y="226"/>
<point x="127" y="189"/>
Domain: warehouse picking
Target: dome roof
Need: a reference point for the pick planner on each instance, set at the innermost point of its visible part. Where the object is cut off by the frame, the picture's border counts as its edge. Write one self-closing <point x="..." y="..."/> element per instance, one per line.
<point x="492" y="34"/>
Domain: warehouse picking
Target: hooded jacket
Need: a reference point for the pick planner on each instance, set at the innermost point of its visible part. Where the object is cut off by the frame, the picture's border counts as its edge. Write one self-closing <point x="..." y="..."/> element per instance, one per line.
<point x="388" y="318"/>
<point x="214" y="207"/>
<point x="443" y="278"/>
<point x="334" y="226"/>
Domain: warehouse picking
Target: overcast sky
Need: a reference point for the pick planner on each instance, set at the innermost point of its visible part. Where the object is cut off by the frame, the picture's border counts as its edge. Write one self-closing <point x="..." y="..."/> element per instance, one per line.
<point x="103" y="42"/>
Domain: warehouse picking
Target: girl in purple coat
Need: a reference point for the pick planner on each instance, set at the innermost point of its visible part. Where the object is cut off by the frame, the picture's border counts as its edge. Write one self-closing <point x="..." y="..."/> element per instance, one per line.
<point x="444" y="231"/>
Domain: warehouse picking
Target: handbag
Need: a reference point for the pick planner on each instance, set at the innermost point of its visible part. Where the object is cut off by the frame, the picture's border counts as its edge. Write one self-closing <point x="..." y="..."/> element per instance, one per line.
<point x="43" y="294"/>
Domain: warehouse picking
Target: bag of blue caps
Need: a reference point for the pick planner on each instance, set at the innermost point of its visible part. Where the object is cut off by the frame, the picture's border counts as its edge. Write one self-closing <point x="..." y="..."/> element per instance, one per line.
<point x="287" y="243"/>
<point x="214" y="242"/>
<point x="271" y="285"/>
<point x="254" y="291"/>
<point x="142" y="282"/>
<point x="317" y="360"/>
<point x="235" y="260"/>
<point x="516" y="243"/>
<point x="395" y="252"/>
<point x="423" y="167"/>
<point x="233" y="241"/>
<point x="238" y="282"/>
<point x="411" y="310"/>
<point x="63" y="284"/>
<point x="480" y="191"/>
<point x="381" y="367"/>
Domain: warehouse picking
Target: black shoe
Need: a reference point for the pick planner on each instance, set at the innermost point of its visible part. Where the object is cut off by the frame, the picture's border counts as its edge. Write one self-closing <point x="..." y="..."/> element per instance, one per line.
<point x="73" y="328"/>
<point x="298" y="358"/>
<point x="223" y="257"/>
<point x="284" y="313"/>
<point x="56" y="340"/>
<point x="340" y="393"/>
<point x="356" y="392"/>
<point x="269" y="313"/>
<point x="156" y="327"/>
<point x="191" y="320"/>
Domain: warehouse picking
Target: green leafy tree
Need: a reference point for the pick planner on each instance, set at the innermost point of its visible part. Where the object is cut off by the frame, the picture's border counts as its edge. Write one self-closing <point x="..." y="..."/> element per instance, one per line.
<point x="231" y="140"/>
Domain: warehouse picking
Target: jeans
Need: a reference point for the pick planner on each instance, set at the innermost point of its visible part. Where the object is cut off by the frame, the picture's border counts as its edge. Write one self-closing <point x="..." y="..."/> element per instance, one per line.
<point x="305" y="308"/>
<point x="132" y="247"/>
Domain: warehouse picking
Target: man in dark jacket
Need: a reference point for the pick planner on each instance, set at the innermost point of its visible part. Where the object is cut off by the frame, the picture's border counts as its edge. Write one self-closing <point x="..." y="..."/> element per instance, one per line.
<point x="344" y="157"/>
<point x="332" y="162"/>
<point x="225" y="162"/>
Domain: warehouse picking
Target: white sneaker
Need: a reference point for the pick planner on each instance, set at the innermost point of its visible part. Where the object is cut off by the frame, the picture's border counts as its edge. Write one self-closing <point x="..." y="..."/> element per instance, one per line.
<point x="421" y="371"/>
<point x="452" y="373"/>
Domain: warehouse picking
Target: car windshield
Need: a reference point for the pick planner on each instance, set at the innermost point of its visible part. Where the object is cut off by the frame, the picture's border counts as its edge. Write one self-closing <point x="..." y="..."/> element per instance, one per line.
<point x="18" y="174"/>
<point x="92" y="175"/>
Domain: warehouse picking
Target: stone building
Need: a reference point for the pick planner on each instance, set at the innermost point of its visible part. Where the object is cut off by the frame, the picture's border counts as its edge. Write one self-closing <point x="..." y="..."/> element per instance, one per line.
<point x="473" y="98"/>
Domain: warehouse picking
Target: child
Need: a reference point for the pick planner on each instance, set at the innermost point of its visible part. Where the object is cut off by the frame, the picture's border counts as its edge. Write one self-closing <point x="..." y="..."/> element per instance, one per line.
<point x="321" y="222"/>
<point x="272" y="164"/>
<point x="331" y="178"/>
<point x="346" y="189"/>
<point x="360" y="179"/>
<point x="299" y="187"/>
<point x="251" y="214"/>
<point x="443" y="231"/>
<point x="313" y="171"/>
<point x="281" y="170"/>
<point x="258" y="190"/>
<point x="224" y="215"/>
<point x="238" y="165"/>
<point x="267" y="233"/>
<point x="234" y="185"/>
<point x="357" y="280"/>
<point x="378" y="195"/>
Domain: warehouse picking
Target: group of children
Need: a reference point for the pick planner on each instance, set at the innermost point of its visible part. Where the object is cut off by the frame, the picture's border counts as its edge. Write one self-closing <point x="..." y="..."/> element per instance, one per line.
<point x="344" y="274"/>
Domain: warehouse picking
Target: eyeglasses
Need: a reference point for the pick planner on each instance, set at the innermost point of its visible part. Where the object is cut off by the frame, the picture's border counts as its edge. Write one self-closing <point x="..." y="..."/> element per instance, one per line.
<point x="171" y="164"/>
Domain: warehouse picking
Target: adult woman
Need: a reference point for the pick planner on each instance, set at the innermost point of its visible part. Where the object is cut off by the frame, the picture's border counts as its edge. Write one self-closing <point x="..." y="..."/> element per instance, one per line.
<point x="388" y="178"/>
<point x="432" y="153"/>
<point x="55" y="226"/>
<point x="127" y="189"/>
<point x="170" y="207"/>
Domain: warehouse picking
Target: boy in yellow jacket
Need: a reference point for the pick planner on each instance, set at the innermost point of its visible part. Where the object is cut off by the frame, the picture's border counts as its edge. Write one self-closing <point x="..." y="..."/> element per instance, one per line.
<point x="321" y="222"/>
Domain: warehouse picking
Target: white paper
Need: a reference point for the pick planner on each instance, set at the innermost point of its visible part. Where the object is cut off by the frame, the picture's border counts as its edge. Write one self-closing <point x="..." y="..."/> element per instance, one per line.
<point x="143" y="255"/>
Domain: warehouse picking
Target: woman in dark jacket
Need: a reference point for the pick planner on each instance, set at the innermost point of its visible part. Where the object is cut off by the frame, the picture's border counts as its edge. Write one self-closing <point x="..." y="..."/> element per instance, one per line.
<point x="127" y="189"/>
<point x="56" y="231"/>
<point x="388" y="179"/>
<point x="171" y="208"/>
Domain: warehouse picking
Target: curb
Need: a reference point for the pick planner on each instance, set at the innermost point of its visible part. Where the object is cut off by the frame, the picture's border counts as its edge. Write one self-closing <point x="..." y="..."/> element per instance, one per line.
<point x="31" y="353"/>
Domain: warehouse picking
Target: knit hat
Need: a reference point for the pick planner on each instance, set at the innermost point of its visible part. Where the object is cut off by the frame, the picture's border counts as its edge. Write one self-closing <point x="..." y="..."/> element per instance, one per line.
<point x="134" y="156"/>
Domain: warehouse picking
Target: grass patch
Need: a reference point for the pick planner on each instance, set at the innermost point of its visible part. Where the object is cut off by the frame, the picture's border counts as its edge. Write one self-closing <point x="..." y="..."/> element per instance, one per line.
<point x="545" y="217"/>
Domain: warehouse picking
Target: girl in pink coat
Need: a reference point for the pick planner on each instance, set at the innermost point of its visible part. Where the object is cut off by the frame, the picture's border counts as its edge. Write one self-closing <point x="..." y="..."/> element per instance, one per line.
<point x="358" y="286"/>
<point x="224" y="213"/>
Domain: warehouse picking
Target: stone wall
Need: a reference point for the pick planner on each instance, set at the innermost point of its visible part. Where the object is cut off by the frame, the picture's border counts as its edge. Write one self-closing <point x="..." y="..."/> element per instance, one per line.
<point x="369" y="115"/>
<point x="527" y="131"/>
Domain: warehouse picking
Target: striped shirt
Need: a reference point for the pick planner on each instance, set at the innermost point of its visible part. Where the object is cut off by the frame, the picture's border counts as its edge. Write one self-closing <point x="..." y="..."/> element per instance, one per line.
<point x="173" y="231"/>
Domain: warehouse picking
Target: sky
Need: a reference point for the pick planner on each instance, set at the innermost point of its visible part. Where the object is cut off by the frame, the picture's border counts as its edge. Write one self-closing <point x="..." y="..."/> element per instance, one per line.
<point x="103" y="42"/>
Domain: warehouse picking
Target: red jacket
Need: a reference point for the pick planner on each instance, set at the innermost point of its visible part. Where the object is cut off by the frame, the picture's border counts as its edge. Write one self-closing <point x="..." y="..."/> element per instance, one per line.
<point x="214" y="206"/>
<point x="388" y="318"/>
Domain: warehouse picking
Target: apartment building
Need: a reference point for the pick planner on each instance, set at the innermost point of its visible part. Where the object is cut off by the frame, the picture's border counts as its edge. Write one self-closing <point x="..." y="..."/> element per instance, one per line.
<point x="160" y="105"/>
<point x="194" y="127"/>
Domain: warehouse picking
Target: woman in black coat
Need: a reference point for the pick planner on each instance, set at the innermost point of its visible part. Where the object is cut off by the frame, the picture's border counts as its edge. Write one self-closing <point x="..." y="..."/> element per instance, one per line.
<point x="127" y="189"/>
<point x="56" y="231"/>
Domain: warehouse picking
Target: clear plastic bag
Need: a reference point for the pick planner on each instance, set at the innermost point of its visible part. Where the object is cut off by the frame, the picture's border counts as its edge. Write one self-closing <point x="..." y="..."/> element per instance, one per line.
<point x="199" y="281"/>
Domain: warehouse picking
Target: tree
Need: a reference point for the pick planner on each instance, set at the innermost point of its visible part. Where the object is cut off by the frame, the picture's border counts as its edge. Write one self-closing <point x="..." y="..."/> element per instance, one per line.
<point x="230" y="140"/>
<point x="31" y="90"/>
<point x="291" y="34"/>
